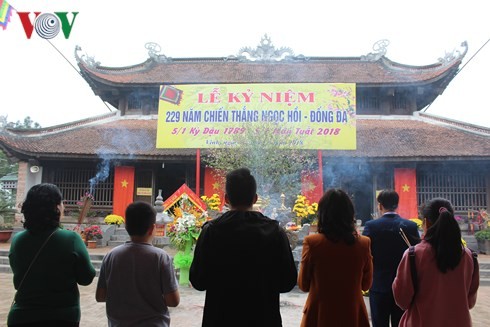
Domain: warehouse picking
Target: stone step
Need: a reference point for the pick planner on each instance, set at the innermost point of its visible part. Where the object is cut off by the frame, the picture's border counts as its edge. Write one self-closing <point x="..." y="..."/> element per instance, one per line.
<point x="115" y="243"/>
<point x="117" y="237"/>
<point x="5" y="268"/>
<point x="121" y="231"/>
<point x="4" y="260"/>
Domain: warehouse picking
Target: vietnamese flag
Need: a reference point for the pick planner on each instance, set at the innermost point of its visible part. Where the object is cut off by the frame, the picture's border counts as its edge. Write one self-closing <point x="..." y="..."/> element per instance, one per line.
<point x="311" y="186"/>
<point x="212" y="184"/>
<point x="123" y="189"/>
<point x="406" y="187"/>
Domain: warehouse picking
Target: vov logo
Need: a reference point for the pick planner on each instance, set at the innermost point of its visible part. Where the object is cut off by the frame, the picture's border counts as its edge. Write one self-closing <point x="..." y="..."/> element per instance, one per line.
<point x="47" y="25"/>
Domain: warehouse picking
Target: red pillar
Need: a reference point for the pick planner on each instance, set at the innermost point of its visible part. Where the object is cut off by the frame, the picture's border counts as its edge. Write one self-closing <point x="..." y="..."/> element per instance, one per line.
<point x="198" y="171"/>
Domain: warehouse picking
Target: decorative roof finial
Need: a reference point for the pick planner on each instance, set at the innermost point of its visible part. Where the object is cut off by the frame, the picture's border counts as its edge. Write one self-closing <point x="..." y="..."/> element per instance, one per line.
<point x="379" y="50"/>
<point x="154" y="50"/>
<point x="88" y="60"/>
<point x="455" y="54"/>
<point x="265" y="51"/>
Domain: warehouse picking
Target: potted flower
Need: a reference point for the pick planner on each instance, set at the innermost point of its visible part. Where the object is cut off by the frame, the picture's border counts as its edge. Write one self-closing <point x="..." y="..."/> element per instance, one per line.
<point x="213" y="204"/>
<point x="113" y="219"/>
<point x="483" y="239"/>
<point x="6" y="231"/>
<point x="305" y="212"/>
<point x="92" y="233"/>
<point x="462" y="222"/>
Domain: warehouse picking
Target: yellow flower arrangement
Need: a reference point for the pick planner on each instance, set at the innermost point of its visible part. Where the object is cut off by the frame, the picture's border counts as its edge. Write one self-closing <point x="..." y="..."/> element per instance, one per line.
<point x="213" y="202"/>
<point x="305" y="211"/>
<point x="418" y="222"/>
<point x="113" y="219"/>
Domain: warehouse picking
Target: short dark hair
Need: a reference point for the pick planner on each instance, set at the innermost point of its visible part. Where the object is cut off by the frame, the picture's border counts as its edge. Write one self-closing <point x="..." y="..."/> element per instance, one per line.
<point x="241" y="187"/>
<point x="140" y="216"/>
<point x="388" y="199"/>
<point x="336" y="216"/>
<point x="40" y="208"/>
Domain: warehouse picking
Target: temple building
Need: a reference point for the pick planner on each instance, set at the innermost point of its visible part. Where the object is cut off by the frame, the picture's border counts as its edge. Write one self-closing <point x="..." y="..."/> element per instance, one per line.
<point x="397" y="144"/>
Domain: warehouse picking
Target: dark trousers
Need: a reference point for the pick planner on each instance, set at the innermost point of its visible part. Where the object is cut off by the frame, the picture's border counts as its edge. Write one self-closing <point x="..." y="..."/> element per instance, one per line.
<point x="383" y="307"/>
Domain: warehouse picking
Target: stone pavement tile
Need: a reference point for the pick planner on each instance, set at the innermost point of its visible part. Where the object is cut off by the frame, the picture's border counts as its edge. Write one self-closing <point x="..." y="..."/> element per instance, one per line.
<point x="189" y="312"/>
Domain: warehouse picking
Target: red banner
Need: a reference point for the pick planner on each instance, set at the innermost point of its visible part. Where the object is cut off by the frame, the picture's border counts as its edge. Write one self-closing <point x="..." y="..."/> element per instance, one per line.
<point x="406" y="187"/>
<point x="311" y="186"/>
<point x="213" y="185"/>
<point x="123" y="189"/>
<point x="184" y="189"/>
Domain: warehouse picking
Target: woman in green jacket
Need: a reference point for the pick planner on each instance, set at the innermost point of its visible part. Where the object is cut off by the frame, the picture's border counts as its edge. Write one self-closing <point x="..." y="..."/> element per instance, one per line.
<point x="48" y="264"/>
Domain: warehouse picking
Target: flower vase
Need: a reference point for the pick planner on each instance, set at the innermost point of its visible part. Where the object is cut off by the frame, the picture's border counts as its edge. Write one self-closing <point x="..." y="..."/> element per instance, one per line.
<point x="91" y="244"/>
<point x="183" y="261"/>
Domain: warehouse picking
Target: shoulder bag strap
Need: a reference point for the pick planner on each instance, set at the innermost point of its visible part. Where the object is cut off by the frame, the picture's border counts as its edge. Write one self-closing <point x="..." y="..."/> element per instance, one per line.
<point x="32" y="262"/>
<point x="413" y="270"/>
<point x="474" y="254"/>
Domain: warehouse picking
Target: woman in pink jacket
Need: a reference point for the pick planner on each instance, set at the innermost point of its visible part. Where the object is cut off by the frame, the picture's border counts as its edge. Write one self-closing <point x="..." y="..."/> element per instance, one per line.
<point x="447" y="274"/>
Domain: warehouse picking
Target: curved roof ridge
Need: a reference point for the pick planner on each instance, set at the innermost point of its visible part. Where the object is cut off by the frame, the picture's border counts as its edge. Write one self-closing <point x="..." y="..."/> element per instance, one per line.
<point x="432" y="118"/>
<point x="393" y="64"/>
<point x="150" y="62"/>
<point x="61" y="127"/>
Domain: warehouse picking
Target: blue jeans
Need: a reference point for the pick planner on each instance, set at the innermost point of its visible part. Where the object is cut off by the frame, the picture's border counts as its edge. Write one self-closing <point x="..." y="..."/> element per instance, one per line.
<point x="383" y="307"/>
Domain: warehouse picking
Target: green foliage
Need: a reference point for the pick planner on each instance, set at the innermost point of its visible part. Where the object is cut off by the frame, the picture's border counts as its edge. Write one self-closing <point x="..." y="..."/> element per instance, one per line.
<point x="276" y="168"/>
<point x="6" y="227"/>
<point x="7" y="167"/>
<point x="27" y="123"/>
<point x="483" y="235"/>
<point x="7" y="205"/>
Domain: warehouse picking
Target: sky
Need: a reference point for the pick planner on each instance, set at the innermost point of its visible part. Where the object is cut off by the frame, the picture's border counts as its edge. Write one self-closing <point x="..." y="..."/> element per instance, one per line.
<point x="37" y="81"/>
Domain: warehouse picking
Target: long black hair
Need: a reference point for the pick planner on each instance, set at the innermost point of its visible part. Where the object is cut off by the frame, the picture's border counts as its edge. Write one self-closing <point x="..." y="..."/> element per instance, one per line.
<point x="444" y="234"/>
<point x="40" y="207"/>
<point x="336" y="216"/>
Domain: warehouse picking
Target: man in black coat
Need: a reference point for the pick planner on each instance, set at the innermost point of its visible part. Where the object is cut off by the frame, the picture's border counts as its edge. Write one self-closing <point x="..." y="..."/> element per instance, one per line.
<point x="243" y="261"/>
<point x="387" y="248"/>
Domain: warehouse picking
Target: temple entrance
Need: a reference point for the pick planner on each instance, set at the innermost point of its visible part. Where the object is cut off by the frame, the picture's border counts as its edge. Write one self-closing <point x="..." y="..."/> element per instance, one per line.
<point x="171" y="176"/>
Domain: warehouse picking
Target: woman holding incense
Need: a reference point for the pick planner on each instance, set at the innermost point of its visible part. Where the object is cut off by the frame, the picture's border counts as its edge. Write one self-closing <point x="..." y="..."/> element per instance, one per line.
<point x="445" y="276"/>
<point x="336" y="265"/>
<point x="48" y="264"/>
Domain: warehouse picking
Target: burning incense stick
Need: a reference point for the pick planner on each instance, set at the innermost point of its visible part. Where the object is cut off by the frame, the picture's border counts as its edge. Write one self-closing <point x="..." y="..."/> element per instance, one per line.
<point x="87" y="203"/>
<point x="405" y="238"/>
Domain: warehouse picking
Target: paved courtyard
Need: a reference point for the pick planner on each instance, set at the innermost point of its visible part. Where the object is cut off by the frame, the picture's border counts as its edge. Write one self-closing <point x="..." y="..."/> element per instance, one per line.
<point x="189" y="312"/>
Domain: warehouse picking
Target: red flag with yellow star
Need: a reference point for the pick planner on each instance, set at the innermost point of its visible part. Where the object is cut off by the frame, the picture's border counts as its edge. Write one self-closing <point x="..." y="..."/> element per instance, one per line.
<point x="123" y="189"/>
<point x="406" y="187"/>
<point x="213" y="185"/>
<point x="311" y="186"/>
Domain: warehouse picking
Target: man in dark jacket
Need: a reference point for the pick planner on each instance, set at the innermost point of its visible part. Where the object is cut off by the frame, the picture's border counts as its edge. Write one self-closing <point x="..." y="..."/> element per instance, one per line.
<point x="243" y="261"/>
<point x="387" y="248"/>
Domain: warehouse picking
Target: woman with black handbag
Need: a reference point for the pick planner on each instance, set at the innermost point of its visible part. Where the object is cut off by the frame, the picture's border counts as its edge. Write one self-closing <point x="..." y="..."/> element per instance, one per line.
<point x="48" y="264"/>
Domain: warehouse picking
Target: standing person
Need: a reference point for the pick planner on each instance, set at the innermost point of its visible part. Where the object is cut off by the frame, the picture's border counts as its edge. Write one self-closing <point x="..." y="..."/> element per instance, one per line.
<point x="336" y="265"/>
<point x="243" y="261"/>
<point x="48" y="264"/>
<point x="447" y="275"/>
<point x="137" y="280"/>
<point x="387" y="247"/>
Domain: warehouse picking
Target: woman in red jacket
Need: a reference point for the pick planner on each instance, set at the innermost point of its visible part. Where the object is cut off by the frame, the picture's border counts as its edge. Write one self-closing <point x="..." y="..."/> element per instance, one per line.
<point x="336" y="265"/>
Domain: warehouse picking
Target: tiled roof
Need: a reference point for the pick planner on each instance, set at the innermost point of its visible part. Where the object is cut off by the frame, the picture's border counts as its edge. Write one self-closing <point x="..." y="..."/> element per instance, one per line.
<point x="226" y="70"/>
<point x="387" y="138"/>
